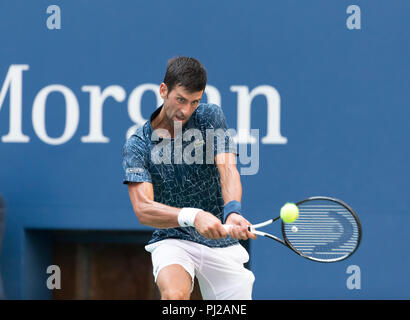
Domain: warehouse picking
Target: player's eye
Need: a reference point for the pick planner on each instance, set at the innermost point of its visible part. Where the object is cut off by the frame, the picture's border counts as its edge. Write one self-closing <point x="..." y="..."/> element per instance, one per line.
<point x="181" y="99"/>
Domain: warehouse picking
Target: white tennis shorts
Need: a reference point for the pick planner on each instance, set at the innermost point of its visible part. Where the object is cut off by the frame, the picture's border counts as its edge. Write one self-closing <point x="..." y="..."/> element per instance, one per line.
<point x="220" y="271"/>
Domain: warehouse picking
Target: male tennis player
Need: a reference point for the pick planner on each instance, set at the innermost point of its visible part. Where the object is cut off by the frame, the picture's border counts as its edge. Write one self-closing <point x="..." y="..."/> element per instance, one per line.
<point x="188" y="201"/>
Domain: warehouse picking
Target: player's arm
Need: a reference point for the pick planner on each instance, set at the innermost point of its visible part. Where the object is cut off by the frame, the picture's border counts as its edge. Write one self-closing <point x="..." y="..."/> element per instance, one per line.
<point x="148" y="211"/>
<point x="232" y="191"/>
<point x="230" y="179"/>
<point x="158" y="215"/>
<point x="155" y="214"/>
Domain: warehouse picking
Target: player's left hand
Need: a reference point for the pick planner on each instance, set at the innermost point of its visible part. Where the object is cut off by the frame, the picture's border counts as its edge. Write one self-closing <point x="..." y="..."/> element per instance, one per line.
<point x="240" y="227"/>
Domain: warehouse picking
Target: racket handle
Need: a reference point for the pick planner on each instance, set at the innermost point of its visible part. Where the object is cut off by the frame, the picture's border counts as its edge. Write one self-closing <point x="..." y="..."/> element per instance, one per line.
<point x="228" y="227"/>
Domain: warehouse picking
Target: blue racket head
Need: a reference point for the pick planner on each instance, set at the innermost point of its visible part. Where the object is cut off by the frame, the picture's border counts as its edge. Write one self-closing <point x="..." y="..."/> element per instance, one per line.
<point x="327" y="230"/>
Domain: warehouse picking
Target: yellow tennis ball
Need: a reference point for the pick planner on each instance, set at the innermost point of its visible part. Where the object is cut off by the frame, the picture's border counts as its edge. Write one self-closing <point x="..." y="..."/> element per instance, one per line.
<point x="289" y="212"/>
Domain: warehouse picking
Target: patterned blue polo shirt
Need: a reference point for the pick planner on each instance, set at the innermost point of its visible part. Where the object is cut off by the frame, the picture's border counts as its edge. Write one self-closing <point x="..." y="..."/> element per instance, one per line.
<point x="182" y="170"/>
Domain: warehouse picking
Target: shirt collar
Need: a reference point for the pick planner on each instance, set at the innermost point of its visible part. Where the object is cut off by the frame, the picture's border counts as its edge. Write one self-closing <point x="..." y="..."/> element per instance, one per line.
<point x="149" y="128"/>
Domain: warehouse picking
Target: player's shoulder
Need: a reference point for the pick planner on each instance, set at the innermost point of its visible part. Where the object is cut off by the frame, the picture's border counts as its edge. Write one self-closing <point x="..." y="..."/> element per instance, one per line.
<point x="137" y="141"/>
<point x="206" y="109"/>
<point x="208" y="113"/>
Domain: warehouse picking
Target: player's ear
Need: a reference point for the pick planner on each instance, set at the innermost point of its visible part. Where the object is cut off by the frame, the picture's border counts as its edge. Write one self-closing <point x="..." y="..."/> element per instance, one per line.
<point x="163" y="90"/>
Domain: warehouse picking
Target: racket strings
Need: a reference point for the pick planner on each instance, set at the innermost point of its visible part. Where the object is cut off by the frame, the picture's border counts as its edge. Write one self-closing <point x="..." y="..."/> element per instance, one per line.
<point x="323" y="232"/>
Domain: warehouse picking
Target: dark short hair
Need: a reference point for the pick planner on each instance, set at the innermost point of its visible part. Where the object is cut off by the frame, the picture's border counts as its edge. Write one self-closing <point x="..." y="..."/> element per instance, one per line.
<point x="186" y="72"/>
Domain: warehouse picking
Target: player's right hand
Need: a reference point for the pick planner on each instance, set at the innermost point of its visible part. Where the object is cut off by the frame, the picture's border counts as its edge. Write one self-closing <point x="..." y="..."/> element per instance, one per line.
<point x="209" y="226"/>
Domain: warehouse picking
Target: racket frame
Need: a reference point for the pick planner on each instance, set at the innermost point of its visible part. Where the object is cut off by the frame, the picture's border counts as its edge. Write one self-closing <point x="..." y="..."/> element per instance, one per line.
<point x="287" y="243"/>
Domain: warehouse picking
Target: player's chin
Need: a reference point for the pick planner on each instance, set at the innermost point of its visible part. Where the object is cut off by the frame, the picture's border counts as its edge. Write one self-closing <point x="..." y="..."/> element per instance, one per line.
<point x="180" y="121"/>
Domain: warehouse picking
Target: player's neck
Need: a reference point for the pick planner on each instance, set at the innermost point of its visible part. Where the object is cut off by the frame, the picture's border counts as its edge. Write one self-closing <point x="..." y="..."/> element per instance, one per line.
<point x="161" y="122"/>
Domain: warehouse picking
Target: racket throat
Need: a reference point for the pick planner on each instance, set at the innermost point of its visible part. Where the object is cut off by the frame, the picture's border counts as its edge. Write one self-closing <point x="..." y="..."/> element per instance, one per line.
<point x="267" y="235"/>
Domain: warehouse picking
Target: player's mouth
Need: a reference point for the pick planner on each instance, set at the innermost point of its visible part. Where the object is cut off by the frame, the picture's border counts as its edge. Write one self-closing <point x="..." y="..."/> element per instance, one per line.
<point x="177" y="118"/>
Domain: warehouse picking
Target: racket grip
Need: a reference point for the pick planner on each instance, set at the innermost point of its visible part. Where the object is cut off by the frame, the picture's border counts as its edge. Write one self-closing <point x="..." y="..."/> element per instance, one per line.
<point x="228" y="227"/>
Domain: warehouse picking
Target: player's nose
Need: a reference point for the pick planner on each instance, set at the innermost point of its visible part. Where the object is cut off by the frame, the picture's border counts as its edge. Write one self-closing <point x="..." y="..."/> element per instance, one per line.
<point x="185" y="110"/>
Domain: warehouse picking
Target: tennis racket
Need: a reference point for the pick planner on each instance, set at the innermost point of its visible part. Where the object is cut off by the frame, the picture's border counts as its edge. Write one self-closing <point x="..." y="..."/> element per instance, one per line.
<point x="327" y="230"/>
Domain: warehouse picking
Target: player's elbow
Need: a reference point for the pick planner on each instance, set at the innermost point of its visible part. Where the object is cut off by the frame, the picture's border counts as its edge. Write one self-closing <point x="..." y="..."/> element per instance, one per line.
<point x="141" y="210"/>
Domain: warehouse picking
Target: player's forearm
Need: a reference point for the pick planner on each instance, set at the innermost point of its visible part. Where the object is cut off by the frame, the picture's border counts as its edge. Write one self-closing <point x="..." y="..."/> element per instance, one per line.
<point x="148" y="211"/>
<point x="157" y="215"/>
<point x="230" y="184"/>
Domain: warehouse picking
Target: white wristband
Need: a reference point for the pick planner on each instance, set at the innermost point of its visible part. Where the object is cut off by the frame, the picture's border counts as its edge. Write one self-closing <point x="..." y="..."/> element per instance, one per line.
<point x="186" y="216"/>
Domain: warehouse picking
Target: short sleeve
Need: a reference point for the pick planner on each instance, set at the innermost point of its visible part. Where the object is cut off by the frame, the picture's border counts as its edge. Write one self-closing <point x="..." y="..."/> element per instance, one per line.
<point x="135" y="161"/>
<point x="214" y="118"/>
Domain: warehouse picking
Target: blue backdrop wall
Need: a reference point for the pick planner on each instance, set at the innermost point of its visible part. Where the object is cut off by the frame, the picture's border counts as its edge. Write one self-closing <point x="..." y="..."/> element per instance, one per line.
<point x="344" y="107"/>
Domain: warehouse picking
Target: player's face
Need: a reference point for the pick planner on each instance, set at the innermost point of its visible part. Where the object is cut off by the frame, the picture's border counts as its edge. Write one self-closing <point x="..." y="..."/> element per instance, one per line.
<point x="179" y="104"/>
